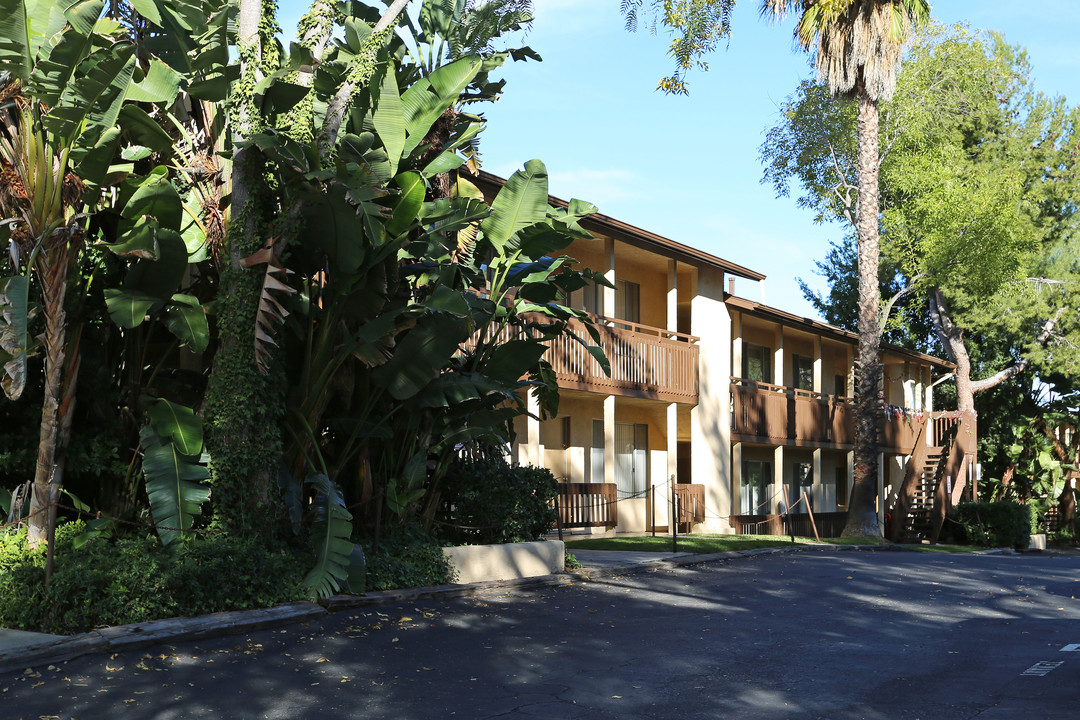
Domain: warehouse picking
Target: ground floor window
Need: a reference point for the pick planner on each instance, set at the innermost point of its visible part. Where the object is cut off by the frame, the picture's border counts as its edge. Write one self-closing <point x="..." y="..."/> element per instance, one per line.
<point x="754" y="498"/>
<point x="632" y="459"/>
<point x="841" y="487"/>
<point x="801" y="481"/>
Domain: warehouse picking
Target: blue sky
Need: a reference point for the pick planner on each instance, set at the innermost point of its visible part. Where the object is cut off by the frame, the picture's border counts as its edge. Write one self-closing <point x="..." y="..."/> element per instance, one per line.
<point x="688" y="167"/>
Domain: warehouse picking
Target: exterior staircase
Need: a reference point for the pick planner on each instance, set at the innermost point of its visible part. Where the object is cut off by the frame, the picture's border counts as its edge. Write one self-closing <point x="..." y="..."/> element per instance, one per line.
<point x="919" y="519"/>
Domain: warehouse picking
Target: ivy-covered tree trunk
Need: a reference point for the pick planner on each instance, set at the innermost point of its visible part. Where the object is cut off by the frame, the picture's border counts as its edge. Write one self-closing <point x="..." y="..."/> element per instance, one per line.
<point x="862" y="517"/>
<point x="243" y="406"/>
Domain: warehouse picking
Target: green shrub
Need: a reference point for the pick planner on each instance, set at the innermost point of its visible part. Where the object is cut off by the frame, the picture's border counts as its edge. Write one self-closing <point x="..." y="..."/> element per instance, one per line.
<point x="134" y="579"/>
<point x="993" y="524"/>
<point x="409" y="559"/>
<point x="490" y="501"/>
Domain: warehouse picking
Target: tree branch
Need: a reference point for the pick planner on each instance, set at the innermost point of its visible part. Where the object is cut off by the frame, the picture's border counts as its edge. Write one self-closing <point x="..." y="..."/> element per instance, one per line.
<point x="335" y="110"/>
<point x="1019" y="367"/>
<point x="892" y="301"/>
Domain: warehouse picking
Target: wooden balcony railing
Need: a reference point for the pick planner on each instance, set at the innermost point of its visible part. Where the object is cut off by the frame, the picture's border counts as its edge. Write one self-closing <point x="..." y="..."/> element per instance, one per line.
<point x="784" y="415"/>
<point x="646" y="362"/>
<point x="828" y="525"/>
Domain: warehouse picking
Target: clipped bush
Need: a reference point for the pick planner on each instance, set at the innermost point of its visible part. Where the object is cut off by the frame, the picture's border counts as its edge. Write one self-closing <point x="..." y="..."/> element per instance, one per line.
<point x="490" y="501"/>
<point x="993" y="524"/>
<point x="411" y="558"/>
<point x="134" y="579"/>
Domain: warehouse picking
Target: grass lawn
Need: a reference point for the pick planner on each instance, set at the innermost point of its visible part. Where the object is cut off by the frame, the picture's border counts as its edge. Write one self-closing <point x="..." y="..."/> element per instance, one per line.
<point x="725" y="543"/>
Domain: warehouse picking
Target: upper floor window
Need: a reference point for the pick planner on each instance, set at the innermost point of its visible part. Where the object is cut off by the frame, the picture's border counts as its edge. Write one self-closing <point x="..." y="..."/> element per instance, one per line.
<point x="627" y="301"/>
<point x="757" y="363"/>
<point x="802" y="372"/>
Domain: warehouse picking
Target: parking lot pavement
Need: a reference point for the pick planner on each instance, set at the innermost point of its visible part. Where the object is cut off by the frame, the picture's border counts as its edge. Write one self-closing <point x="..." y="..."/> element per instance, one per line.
<point x="809" y="635"/>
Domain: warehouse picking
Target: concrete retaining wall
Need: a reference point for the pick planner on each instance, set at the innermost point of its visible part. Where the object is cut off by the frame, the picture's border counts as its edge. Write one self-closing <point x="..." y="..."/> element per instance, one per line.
<point x="511" y="561"/>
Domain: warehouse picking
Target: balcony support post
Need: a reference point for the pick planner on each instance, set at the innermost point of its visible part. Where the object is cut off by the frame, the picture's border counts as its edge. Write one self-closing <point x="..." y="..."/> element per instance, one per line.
<point x="736" y="481"/>
<point x="881" y="490"/>
<point x="609" y="438"/>
<point x="778" y="482"/>
<point x="818" y="488"/>
<point x="672" y="474"/>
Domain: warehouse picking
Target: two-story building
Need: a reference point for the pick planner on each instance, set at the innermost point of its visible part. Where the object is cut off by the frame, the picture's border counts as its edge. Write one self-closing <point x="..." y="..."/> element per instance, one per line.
<point x="730" y="405"/>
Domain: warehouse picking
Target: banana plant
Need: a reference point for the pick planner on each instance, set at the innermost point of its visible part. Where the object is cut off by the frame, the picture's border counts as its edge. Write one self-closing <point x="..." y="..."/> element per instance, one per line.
<point x="58" y="135"/>
<point x="174" y="466"/>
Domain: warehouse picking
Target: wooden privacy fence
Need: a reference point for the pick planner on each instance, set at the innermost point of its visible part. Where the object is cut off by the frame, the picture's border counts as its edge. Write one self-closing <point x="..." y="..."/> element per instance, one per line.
<point x="583" y="505"/>
<point x="691" y="499"/>
<point x="829" y="524"/>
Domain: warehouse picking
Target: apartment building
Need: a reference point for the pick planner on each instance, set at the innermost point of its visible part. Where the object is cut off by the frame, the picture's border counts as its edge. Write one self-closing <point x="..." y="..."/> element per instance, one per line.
<point x="720" y="406"/>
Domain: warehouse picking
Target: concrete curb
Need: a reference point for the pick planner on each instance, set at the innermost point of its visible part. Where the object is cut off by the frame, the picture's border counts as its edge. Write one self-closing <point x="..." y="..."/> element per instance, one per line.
<point x="140" y="635"/>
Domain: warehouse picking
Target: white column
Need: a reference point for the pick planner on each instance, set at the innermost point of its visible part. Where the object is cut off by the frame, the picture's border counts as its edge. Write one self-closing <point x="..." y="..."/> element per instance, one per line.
<point x="819" y="494"/>
<point x="881" y="490"/>
<point x="673" y="296"/>
<point x="662" y="494"/>
<point x="736" y="344"/>
<point x="778" y="357"/>
<point x="736" y="479"/>
<point x="817" y="363"/>
<point x="609" y="439"/>
<point x="608" y="309"/>
<point x="532" y="454"/>
<point x="778" y="482"/>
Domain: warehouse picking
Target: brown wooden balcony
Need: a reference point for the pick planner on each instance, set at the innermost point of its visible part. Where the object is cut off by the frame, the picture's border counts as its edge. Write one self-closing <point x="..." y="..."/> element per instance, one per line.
<point x="646" y="362"/>
<point x="779" y="415"/>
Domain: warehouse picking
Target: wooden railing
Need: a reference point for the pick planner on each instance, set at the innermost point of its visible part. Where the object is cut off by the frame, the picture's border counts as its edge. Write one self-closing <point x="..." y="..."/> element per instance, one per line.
<point x="583" y="505"/>
<point x="691" y="499"/>
<point x="780" y="414"/>
<point x="829" y="524"/>
<point x="645" y="361"/>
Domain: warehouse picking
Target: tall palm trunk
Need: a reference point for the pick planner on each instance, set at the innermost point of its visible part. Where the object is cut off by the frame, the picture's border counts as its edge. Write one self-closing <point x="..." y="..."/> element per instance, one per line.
<point x="862" y="517"/>
<point x="52" y="269"/>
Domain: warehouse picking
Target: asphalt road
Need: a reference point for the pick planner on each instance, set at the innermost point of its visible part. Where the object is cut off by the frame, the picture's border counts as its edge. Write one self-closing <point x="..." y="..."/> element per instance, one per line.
<point x="837" y="635"/>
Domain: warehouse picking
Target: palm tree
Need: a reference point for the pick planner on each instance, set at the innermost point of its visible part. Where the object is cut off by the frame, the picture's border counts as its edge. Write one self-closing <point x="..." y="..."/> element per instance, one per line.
<point x="857" y="45"/>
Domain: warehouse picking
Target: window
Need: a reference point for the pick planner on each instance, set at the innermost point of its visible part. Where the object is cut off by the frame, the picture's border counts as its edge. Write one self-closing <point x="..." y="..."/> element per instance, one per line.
<point x="592" y="298"/>
<point x="841" y="487"/>
<point x="755" y="496"/>
<point x="802" y="372"/>
<point x="840" y="385"/>
<point x="596" y="454"/>
<point x="757" y="363"/>
<point x="801" y="481"/>
<point x="628" y="301"/>
<point x="631" y="459"/>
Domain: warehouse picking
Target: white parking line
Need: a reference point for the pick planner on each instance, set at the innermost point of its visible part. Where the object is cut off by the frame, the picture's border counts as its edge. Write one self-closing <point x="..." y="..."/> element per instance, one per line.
<point x="1075" y="647"/>
<point x="1042" y="668"/>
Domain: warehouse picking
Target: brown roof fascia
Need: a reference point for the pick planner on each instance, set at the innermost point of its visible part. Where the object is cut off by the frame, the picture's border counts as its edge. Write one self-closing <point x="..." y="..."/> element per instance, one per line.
<point x="639" y="237"/>
<point x="820" y="328"/>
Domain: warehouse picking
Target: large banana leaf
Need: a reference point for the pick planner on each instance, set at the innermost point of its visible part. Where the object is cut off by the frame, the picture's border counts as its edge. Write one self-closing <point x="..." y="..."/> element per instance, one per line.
<point x="520" y="203"/>
<point x="389" y="118"/>
<point x="420" y="356"/>
<point x="56" y="69"/>
<point x="330" y="533"/>
<point x="178" y="424"/>
<point x="186" y="319"/>
<point x="172" y="484"/>
<point x="427" y="99"/>
<point x="14" y="312"/>
<point x="91" y="103"/>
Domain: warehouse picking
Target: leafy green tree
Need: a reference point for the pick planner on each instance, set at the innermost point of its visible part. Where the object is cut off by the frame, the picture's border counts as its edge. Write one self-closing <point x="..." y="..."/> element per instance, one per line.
<point x="978" y="188"/>
<point x="856" y="47"/>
